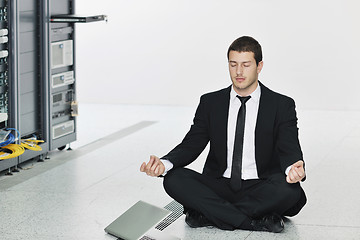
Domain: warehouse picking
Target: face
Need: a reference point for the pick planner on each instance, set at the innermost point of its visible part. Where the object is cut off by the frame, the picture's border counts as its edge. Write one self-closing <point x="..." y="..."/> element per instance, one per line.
<point x="244" y="72"/>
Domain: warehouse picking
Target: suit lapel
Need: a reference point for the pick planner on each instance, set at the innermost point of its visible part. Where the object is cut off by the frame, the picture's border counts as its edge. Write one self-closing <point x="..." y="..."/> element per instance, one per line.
<point x="222" y="112"/>
<point x="264" y="107"/>
<point x="267" y="108"/>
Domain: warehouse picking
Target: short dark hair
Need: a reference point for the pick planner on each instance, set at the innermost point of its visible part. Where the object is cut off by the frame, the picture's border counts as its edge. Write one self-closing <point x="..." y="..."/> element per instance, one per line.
<point x="247" y="44"/>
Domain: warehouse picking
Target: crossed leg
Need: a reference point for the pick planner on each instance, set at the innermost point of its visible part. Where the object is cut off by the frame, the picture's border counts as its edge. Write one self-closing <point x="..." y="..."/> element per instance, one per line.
<point x="225" y="208"/>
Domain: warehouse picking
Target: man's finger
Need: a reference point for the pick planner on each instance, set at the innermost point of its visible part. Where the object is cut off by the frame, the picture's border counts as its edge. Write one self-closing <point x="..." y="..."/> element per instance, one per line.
<point x="300" y="172"/>
<point x="150" y="163"/>
<point x="160" y="169"/>
<point x="157" y="169"/>
<point x="299" y="163"/>
<point x="154" y="158"/>
<point x="291" y="175"/>
<point x="153" y="161"/>
<point x="295" y="176"/>
<point x="142" y="167"/>
<point x="288" y="179"/>
<point x="295" y="173"/>
<point x="155" y="165"/>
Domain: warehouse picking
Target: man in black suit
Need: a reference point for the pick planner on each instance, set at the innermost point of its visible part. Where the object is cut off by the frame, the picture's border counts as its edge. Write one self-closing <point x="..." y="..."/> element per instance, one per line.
<point x="251" y="177"/>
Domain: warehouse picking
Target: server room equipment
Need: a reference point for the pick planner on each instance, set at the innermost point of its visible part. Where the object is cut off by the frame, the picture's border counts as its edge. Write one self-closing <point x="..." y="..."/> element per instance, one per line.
<point x="61" y="54"/>
<point x="37" y="76"/>
<point x="62" y="79"/>
<point x="63" y="129"/>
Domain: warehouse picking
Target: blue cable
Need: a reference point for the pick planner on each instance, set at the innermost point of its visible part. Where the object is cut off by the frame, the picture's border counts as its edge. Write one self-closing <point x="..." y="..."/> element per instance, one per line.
<point x="14" y="129"/>
<point x="10" y="139"/>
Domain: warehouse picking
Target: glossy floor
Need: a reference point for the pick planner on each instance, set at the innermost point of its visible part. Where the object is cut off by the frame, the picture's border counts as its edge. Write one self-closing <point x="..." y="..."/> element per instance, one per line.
<point x="76" y="194"/>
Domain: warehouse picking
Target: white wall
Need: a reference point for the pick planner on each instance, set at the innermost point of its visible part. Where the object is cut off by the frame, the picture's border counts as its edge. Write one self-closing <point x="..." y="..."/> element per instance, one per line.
<point x="170" y="52"/>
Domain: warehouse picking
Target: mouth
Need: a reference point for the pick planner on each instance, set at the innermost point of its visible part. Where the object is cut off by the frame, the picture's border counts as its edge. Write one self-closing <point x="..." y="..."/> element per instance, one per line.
<point x="240" y="79"/>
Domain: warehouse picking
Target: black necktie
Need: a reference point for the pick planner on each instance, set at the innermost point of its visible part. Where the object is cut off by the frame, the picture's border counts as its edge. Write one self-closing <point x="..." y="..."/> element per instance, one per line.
<point x="235" y="181"/>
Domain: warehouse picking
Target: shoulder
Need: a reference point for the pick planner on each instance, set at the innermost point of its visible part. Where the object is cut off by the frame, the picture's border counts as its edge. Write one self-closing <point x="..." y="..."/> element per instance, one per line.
<point x="279" y="98"/>
<point x="211" y="96"/>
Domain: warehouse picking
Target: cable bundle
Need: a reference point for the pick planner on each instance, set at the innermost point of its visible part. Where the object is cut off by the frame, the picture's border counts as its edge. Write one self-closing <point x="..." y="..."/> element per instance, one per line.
<point x="15" y="151"/>
<point x="31" y="144"/>
<point x="10" y="139"/>
<point x="10" y="150"/>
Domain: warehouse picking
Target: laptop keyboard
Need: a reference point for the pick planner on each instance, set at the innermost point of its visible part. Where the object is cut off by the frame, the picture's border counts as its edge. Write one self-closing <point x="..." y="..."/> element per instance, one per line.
<point x="147" y="238"/>
<point x="176" y="211"/>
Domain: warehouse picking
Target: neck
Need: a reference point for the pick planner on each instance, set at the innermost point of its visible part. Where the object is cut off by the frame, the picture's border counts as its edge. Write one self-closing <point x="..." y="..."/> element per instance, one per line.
<point x="243" y="92"/>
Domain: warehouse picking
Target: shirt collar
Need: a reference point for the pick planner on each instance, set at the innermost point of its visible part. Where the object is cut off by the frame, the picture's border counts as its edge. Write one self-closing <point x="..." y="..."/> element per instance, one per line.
<point x="255" y="95"/>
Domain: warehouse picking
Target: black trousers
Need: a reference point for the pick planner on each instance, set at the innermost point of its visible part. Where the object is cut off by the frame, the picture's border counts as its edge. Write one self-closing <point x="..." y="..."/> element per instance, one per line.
<point x="214" y="198"/>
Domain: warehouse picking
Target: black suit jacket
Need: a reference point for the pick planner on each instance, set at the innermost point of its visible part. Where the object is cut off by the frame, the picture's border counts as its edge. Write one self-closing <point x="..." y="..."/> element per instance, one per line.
<point x="276" y="134"/>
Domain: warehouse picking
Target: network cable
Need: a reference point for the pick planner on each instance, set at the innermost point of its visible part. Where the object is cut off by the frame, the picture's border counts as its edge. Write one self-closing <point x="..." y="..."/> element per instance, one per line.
<point x="31" y="144"/>
<point x="10" y="139"/>
<point x="16" y="150"/>
<point x="8" y="148"/>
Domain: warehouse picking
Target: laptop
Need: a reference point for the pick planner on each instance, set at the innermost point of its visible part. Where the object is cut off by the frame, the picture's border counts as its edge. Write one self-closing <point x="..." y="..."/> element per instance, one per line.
<point x="138" y="222"/>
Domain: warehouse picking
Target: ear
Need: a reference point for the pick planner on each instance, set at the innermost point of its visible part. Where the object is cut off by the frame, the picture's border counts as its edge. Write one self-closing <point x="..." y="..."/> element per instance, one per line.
<point x="260" y="66"/>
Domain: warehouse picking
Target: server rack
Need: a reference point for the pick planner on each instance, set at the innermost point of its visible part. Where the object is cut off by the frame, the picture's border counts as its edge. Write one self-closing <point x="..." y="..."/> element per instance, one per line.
<point x="38" y="72"/>
<point x="31" y="83"/>
<point x="62" y="76"/>
<point x="7" y="103"/>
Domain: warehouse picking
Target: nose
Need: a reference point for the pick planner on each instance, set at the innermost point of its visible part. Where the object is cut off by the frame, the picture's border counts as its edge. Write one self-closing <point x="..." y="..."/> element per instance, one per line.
<point x="239" y="70"/>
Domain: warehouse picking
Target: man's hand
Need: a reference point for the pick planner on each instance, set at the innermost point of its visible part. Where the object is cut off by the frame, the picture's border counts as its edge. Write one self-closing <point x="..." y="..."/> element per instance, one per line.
<point x="296" y="173"/>
<point x="154" y="167"/>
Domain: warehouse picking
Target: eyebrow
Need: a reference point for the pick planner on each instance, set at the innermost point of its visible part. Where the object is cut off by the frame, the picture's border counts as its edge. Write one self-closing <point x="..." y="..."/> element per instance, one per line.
<point x="231" y="61"/>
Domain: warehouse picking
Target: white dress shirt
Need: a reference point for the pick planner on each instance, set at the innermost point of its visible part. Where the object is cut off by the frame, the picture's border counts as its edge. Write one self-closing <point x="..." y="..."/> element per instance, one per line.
<point x="249" y="170"/>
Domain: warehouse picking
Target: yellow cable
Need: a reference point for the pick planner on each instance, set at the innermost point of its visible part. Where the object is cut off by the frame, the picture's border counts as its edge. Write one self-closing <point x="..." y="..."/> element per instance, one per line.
<point x="33" y="140"/>
<point x="16" y="150"/>
<point x="31" y="146"/>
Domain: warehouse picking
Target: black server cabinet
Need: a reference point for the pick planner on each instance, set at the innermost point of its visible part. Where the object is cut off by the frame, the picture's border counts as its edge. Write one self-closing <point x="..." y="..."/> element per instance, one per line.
<point x="7" y="102"/>
<point x="38" y="72"/>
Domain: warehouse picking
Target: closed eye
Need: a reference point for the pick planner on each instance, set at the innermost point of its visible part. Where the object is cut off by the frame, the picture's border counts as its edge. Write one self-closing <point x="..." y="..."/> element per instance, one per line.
<point x="232" y="64"/>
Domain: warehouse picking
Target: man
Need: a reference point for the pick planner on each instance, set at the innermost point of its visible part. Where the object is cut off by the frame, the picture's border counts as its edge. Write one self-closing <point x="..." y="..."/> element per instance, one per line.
<point x="251" y="177"/>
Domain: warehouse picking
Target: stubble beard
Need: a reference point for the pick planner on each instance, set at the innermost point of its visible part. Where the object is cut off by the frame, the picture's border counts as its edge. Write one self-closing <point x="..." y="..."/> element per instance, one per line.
<point x="245" y="88"/>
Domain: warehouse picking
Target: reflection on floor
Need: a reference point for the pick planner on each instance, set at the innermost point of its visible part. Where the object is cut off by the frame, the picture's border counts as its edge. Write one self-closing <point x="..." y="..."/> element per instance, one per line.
<point x="76" y="194"/>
